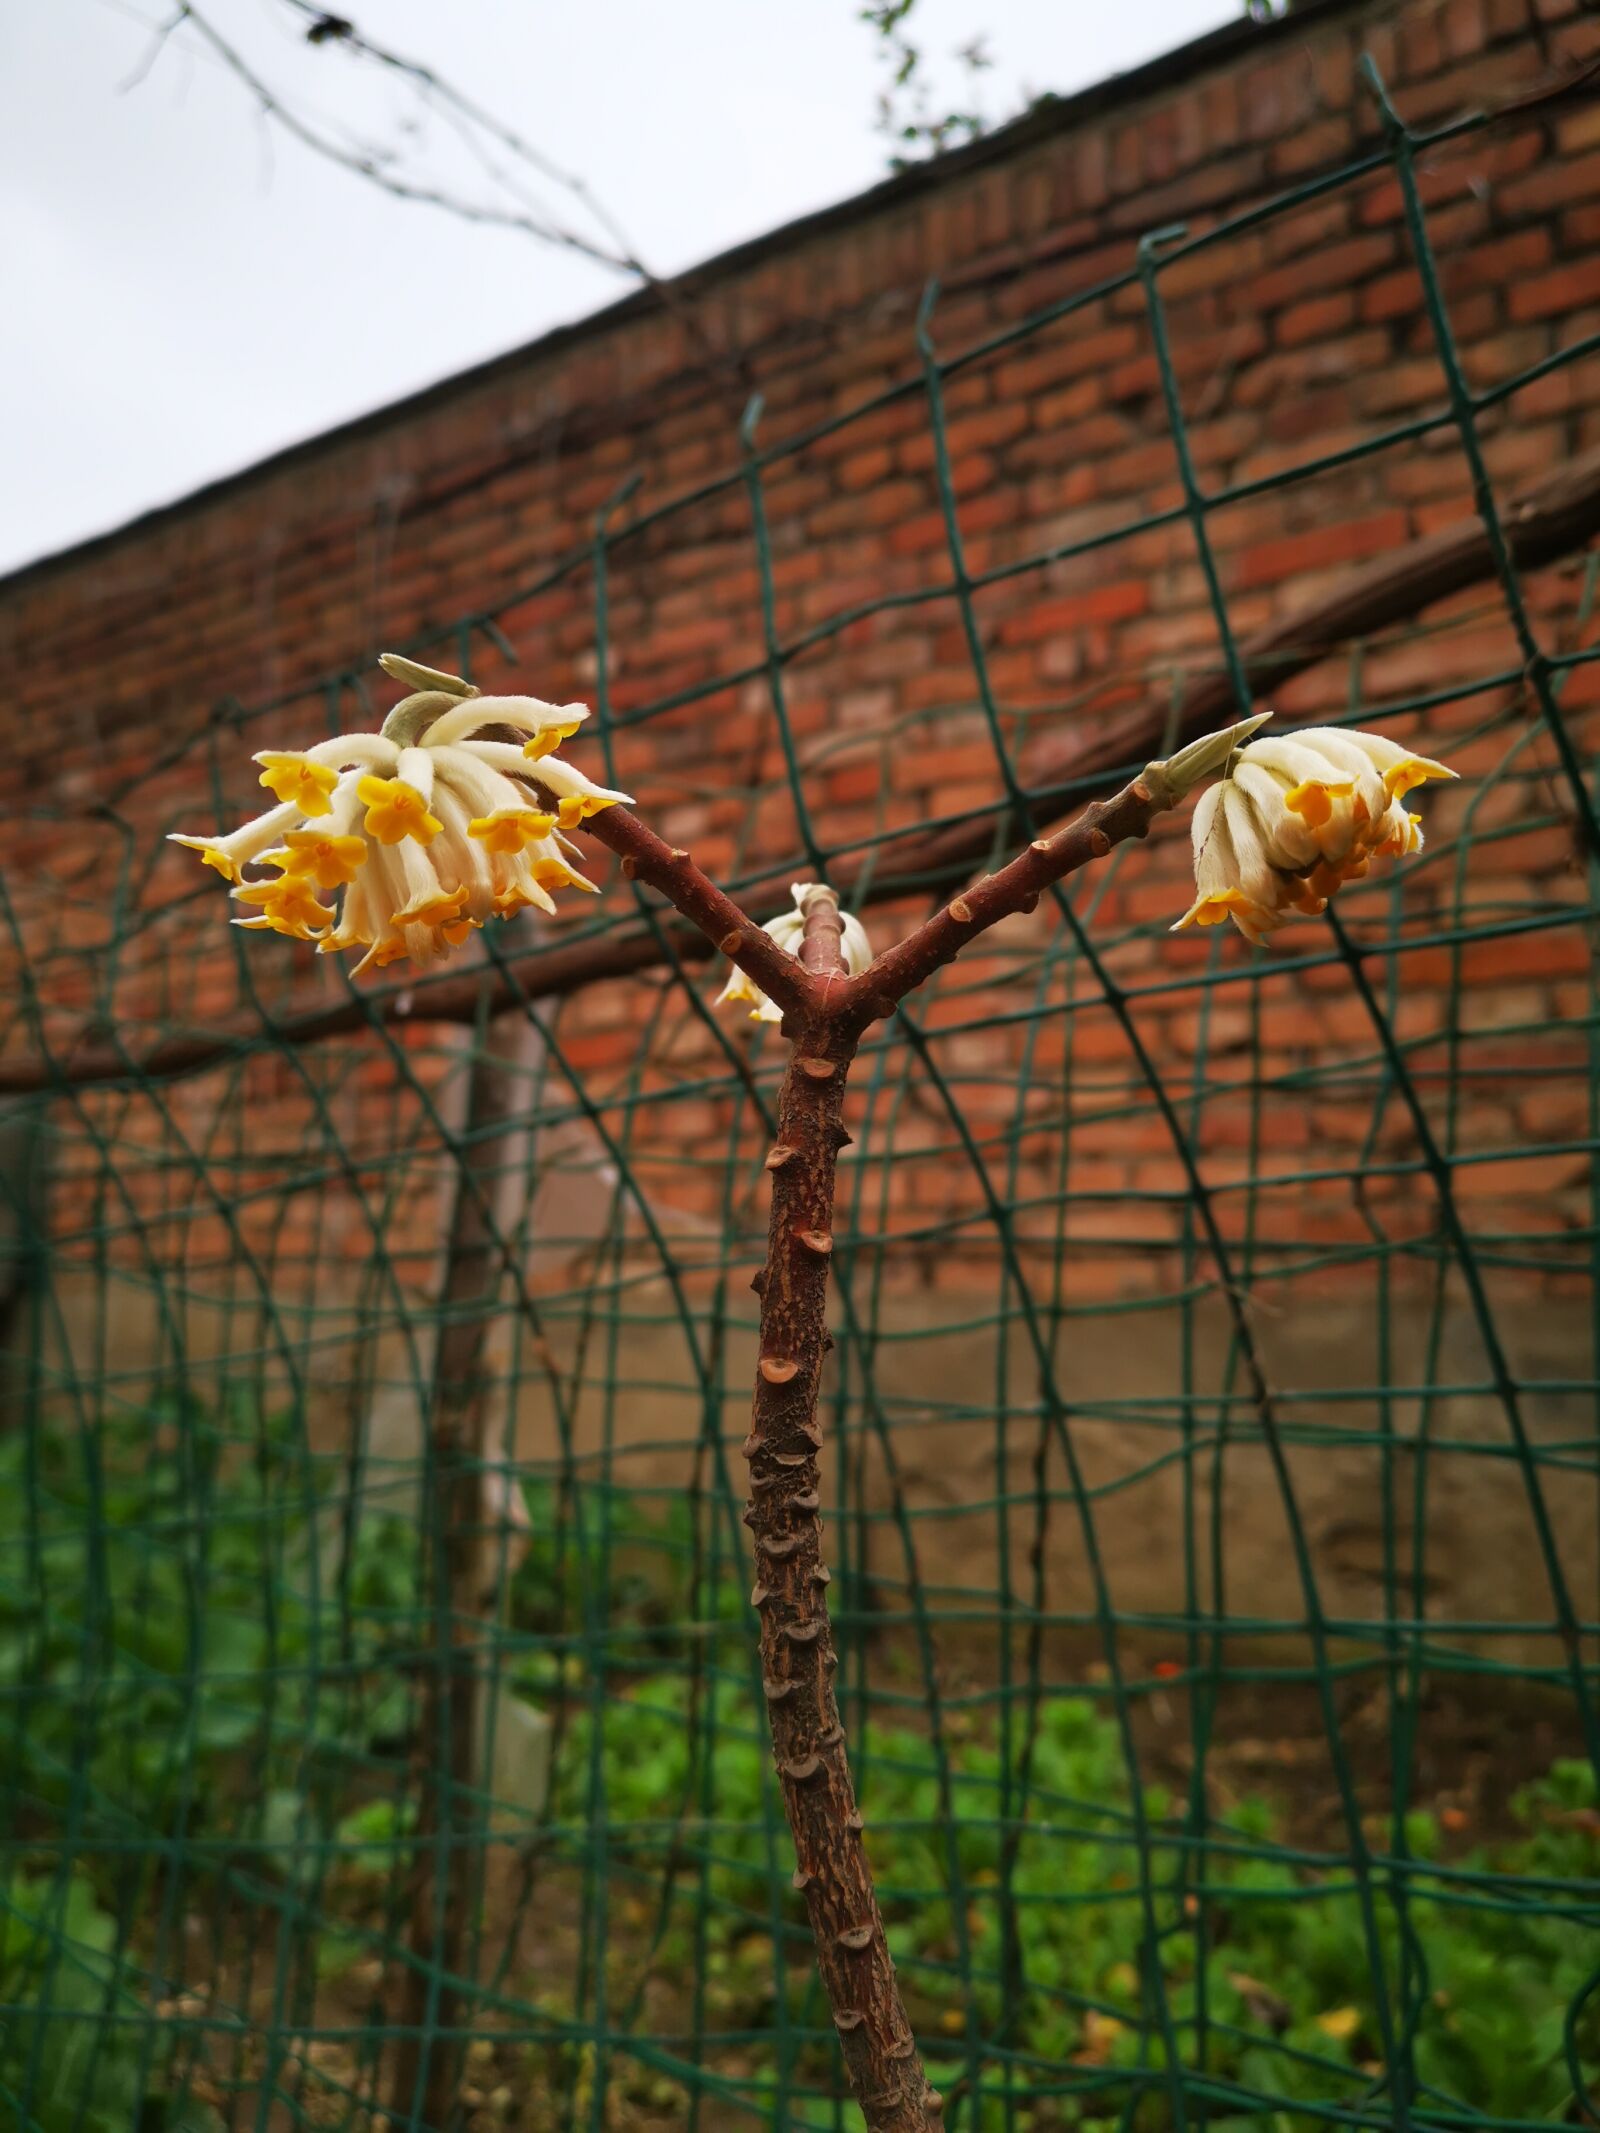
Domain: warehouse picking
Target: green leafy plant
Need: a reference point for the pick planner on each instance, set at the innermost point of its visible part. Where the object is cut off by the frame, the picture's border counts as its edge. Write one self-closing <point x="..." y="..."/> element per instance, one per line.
<point x="80" y="2052"/>
<point x="1280" y="1975"/>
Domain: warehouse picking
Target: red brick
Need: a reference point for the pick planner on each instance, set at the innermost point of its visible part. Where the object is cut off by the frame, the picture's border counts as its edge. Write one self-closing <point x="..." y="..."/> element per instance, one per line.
<point x="1353" y="541"/>
<point x="1105" y="603"/>
<point x="1322" y="267"/>
<point x="863" y="470"/>
<point x="1551" y="184"/>
<point x="1315" y="317"/>
<point x="1563" y="289"/>
<point x="854" y="781"/>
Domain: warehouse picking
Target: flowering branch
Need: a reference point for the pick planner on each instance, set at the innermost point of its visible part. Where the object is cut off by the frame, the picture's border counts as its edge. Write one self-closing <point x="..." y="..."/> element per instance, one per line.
<point x="460" y="812"/>
<point x="825" y="1011"/>
<point x="1017" y="887"/>
<point x="1542" y="523"/>
<point x="670" y="870"/>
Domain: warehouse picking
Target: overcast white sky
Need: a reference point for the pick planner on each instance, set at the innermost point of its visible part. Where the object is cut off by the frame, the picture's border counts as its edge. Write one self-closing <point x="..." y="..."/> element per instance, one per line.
<point x="189" y="289"/>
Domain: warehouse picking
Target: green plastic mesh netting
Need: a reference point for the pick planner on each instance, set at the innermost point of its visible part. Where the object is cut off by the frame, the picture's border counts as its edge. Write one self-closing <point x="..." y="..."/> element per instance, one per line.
<point x="1228" y="1755"/>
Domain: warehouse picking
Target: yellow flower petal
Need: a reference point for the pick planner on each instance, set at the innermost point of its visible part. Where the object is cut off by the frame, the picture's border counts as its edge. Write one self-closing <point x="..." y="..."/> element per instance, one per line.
<point x="548" y="739"/>
<point x="396" y="810"/>
<point x="333" y="861"/>
<point x="444" y="908"/>
<point x="1224" y="903"/>
<point x="510" y="901"/>
<point x="1313" y="800"/>
<point x="211" y="854"/>
<point x="291" y="904"/>
<point x="556" y="874"/>
<point x="1410" y="771"/>
<point x="305" y="785"/>
<point x="510" y="830"/>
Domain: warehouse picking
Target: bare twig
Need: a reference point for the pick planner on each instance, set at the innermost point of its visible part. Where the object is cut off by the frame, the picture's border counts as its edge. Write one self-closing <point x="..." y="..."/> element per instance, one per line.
<point x="474" y="126"/>
<point x="157" y="45"/>
<point x="365" y="165"/>
<point x="446" y="96"/>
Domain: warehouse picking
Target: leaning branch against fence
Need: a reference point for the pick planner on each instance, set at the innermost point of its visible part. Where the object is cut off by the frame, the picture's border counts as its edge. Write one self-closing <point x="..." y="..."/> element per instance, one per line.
<point x="1545" y="522"/>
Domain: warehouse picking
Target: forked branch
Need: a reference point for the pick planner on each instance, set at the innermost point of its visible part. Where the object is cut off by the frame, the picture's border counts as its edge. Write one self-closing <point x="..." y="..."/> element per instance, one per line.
<point x="825" y="1013"/>
<point x="1543" y="522"/>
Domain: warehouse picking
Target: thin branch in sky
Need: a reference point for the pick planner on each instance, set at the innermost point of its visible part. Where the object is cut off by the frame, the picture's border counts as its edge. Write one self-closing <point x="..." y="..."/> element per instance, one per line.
<point x="364" y="163"/>
<point x="158" y="43"/>
<point x="487" y="138"/>
<point x="443" y="93"/>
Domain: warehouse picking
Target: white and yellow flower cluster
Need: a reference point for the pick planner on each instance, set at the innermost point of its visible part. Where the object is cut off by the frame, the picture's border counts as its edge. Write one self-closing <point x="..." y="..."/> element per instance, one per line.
<point x="787" y="929"/>
<point x="1297" y="816"/>
<point x="452" y="815"/>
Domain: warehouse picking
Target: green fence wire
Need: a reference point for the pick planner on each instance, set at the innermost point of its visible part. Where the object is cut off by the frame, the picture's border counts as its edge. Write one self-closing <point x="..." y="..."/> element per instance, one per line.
<point x="1228" y="1752"/>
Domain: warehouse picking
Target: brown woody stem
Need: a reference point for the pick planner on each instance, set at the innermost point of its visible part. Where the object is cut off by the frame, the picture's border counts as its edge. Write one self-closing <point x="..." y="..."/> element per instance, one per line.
<point x="645" y="857"/>
<point x="1017" y="887"/>
<point x="797" y="1655"/>
<point x="825" y="1012"/>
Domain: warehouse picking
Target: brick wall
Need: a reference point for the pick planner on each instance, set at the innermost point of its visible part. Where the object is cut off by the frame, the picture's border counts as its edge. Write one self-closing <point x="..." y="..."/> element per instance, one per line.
<point x="1294" y="339"/>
